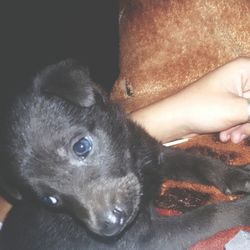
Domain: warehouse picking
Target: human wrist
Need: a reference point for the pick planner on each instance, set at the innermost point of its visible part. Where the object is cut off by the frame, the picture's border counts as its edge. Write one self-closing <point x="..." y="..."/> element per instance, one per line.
<point x="163" y="120"/>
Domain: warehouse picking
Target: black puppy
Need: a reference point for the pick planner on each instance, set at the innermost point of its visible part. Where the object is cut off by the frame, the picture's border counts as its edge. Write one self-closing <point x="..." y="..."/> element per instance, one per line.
<point x="69" y="148"/>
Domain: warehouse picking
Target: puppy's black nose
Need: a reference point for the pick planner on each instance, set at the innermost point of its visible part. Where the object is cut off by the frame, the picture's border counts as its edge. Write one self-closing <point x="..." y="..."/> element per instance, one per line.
<point x="114" y="222"/>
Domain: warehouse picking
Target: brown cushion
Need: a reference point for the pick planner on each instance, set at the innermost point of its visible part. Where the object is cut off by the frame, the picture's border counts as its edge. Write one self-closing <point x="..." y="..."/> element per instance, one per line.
<point x="167" y="44"/>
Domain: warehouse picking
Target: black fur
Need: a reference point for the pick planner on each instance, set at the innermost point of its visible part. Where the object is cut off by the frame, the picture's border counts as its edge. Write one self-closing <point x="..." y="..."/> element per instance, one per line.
<point x="104" y="199"/>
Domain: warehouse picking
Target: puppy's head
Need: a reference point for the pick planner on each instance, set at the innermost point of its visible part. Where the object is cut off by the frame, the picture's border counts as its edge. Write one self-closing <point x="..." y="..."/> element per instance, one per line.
<point x="69" y="148"/>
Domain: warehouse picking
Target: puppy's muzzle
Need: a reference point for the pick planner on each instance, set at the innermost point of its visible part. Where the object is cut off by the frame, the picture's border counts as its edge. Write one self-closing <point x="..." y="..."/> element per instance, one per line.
<point x="114" y="222"/>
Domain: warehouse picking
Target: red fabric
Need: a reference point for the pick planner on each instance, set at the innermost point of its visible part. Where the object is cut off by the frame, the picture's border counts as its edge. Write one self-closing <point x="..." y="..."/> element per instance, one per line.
<point x="167" y="212"/>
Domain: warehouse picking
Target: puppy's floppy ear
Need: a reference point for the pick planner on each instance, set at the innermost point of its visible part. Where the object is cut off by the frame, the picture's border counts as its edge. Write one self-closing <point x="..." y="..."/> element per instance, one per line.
<point x="71" y="82"/>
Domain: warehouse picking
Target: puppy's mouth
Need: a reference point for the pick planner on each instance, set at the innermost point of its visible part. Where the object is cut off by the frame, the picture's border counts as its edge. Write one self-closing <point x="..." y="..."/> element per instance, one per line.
<point x="112" y="206"/>
<point x="112" y="222"/>
<point x="115" y="223"/>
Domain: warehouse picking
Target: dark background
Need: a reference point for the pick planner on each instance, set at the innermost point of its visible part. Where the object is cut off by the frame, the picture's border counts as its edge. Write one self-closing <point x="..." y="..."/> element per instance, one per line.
<point x="38" y="33"/>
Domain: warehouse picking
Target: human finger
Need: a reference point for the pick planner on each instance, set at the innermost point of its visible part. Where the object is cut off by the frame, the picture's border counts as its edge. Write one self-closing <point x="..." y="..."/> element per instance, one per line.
<point x="236" y="134"/>
<point x="225" y="135"/>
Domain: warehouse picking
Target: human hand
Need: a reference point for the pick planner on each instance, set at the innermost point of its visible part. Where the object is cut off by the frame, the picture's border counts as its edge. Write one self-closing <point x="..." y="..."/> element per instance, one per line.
<point x="239" y="132"/>
<point x="215" y="103"/>
<point x="230" y="83"/>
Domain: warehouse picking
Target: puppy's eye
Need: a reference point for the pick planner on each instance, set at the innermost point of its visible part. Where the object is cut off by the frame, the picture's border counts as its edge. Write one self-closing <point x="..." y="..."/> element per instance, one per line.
<point x="50" y="201"/>
<point x="83" y="147"/>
